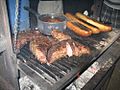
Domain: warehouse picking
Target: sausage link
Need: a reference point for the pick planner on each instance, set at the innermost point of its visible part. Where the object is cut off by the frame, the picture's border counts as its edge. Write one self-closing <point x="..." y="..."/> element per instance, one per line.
<point x="93" y="29"/>
<point x="101" y="26"/>
<point x="78" y="30"/>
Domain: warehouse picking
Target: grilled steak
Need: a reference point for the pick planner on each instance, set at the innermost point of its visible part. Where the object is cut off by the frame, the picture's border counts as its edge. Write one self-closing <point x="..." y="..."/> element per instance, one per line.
<point x="39" y="47"/>
<point x="25" y="36"/>
<point x="57" y="51"/>
<point x="80" y="49"/>
<point x="60" y="35"/>
<point x="66" y="48"/>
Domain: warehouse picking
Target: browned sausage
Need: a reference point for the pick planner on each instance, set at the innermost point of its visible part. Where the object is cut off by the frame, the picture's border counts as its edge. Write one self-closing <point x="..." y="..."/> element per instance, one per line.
<point x="101" y="26"/>
<point x="78" y="30"/>
<point x="93" y="29"/>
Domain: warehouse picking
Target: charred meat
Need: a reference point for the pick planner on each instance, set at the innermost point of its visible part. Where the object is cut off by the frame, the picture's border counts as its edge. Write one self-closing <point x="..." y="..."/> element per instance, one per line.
<point x="48" y="49"/>
<point x="39" y="47"/>
<point x="60" y="35"/>
<point x="66" y="48"/>
<point x="57" y="51"/>
<point x="25" y="36"/>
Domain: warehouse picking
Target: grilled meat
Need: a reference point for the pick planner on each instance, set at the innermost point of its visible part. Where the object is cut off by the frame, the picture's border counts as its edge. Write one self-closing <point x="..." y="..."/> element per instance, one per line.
<point x="40" y="53"/>
<point x="66" y="48"/>
<point x="39" y="47"/>
<point x="69" y="49"/>
<point x="60" y="35"/>
<point x="79" y="30"/>
<point x="92" y="28"/>
<point x="25" y="36"/>
<point x="49" y="49"/>
<point x="80" y="49"/>
<point x="57" y="51"/>
<point x="102" y="27"/>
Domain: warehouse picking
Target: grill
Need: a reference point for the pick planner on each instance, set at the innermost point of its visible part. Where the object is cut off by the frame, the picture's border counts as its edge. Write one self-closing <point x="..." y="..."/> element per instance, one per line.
<point x="59" y="74"/>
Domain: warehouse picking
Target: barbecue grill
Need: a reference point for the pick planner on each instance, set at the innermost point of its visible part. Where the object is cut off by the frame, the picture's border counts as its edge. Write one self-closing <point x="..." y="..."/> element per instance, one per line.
<point x="62" y="73"/>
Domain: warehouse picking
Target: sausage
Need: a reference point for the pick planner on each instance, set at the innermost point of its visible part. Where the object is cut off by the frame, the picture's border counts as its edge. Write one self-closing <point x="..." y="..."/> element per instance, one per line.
<point x="78" y="30"/>
<point x="93" y="29"/>
<point x="101" y="26"/>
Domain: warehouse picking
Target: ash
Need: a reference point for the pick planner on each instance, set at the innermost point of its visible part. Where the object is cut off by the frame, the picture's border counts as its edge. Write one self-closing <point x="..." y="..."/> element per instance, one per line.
<point x="75" y="85"/>
<point x="101" y="44"/>
<point x="72" y="86"/>
<point x="27" y="84"/>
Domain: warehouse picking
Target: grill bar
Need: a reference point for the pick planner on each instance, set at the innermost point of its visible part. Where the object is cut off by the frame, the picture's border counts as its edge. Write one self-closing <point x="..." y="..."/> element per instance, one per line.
<point x="65" y="65"/>
<point x="47" y="71"/>
<point x="70" y="63"/>
<point x="58" y="69"/>
<point x="42" y="74"/>
<point x="52" y="69"/>
<point x="61" y="67"/>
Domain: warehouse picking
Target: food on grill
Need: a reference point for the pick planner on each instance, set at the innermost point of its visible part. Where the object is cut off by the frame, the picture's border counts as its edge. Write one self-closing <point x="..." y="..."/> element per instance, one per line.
<point x="38" y="51"/>
<point x="25" y="36"/>
<point x="39" y="47"/>
<point x="57" y="51"/>
<point x="60" y="35"/>
<point x="66" y="48"/>
<point x="74" y="19"/>
<point x="69" y="49"/>
<point x="101" y="26"/>
<point x="78" y="30"/>
<point x="48" y="49"/>
<point x="80" y="49"/>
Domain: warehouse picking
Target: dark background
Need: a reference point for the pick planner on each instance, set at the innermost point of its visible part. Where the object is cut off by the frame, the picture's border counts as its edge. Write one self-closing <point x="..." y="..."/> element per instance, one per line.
<point x="74" y="6"/>
<point x="71" y="6"/>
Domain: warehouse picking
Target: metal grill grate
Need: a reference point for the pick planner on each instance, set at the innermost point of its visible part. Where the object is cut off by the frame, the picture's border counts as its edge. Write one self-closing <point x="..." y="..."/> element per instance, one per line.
<point x="53" y="72"/>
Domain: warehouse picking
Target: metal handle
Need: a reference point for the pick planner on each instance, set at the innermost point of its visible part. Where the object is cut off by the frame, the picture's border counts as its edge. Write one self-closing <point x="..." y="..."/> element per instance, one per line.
<point x="32" y="11"/>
